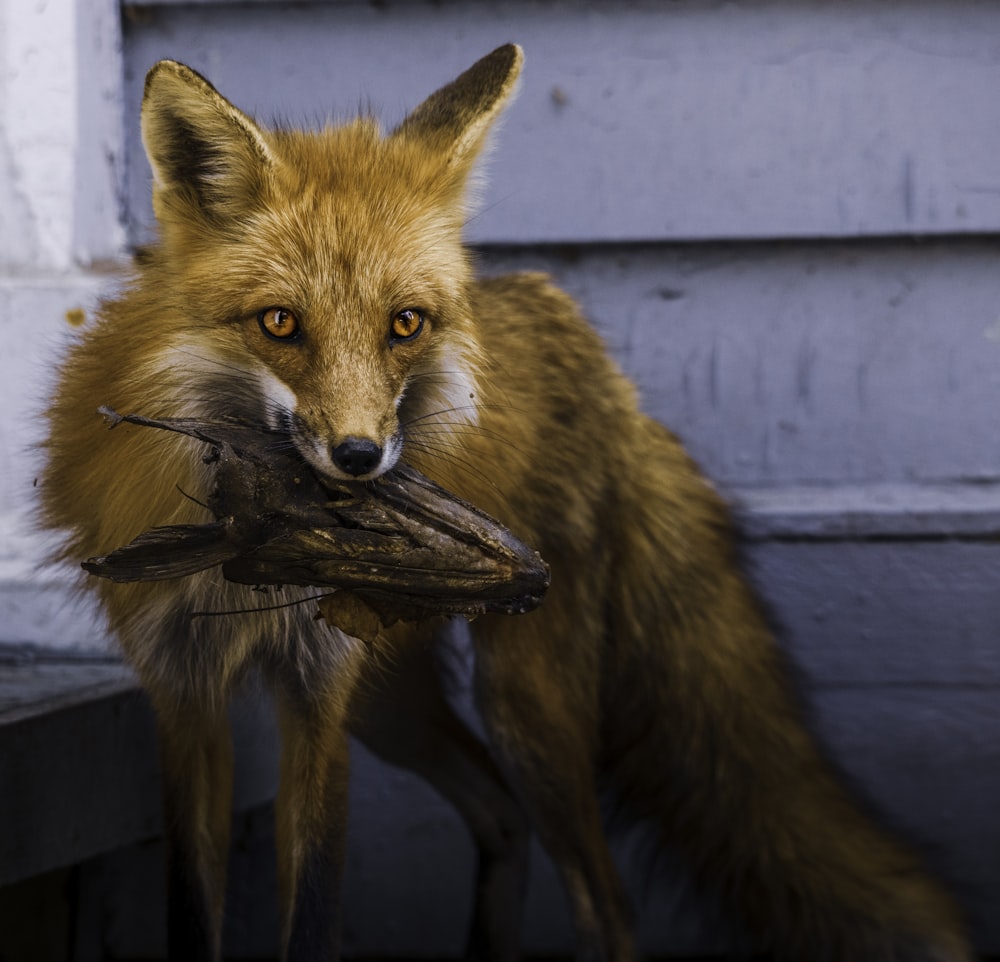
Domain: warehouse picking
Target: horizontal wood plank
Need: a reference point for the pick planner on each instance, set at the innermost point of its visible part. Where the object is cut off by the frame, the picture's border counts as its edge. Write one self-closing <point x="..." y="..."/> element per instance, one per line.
<point x="644" y="120"/>
<point x="821" y="363"/>
<point x="885" y="613"/>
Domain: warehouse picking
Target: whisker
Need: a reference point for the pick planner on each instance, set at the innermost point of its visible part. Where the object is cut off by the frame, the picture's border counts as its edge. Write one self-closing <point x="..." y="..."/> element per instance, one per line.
<point x="485" y="210"/>
<point x="416" y="375"/>
<point x="439" y="413"/>
<point x="460" y="408"/>
<point x="257" y="610"/>
<point x="192" y="498"/>
<point x="209" y="359"/>
<point x="448" y="429"/>
<point x="438" y="418"/>
<point x="462" y="465"/>
<point x="480" y="405"/>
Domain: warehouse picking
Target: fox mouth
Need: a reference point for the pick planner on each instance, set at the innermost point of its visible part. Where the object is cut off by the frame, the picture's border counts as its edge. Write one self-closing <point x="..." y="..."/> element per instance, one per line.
<point x="350" y="459"/>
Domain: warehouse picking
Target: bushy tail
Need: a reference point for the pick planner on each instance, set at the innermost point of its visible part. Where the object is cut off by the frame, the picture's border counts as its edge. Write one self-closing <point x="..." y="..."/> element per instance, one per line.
<point x="727" y="767"/>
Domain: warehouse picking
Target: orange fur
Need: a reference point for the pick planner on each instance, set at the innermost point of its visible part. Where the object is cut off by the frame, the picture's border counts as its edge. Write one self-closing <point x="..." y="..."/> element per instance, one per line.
<point x="649" y="661"/>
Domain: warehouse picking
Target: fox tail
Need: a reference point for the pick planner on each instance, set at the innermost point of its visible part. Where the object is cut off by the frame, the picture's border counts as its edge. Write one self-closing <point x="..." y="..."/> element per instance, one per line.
<point x="727" y="771"/>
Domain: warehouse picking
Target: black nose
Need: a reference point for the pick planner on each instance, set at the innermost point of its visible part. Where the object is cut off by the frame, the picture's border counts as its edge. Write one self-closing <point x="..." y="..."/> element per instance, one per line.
<point x="357" y="456"/>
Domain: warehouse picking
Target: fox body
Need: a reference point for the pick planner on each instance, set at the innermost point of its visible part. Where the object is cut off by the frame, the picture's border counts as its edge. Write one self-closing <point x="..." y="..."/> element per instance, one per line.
<point x="317" y="283"/>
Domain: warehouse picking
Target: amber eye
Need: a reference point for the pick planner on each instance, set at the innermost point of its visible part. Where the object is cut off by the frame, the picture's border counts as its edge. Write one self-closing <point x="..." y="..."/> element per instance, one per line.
<point x="278" y="323"/>
<point x="407" y="324"/>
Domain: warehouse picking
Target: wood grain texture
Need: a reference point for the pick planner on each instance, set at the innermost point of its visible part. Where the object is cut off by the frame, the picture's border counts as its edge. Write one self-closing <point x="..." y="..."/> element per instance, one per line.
<point x="643" y="120"/>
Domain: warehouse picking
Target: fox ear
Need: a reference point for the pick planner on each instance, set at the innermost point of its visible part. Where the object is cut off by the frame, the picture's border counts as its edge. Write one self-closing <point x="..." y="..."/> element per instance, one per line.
<point x="457" y="118"/>
<point x="204" y="152"/>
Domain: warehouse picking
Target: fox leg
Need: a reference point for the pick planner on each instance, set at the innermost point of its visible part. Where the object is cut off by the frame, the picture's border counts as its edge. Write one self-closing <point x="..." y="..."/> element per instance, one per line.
<point x="197" y="766"/>
<point x="311" y="809"/>
<point x="546" y="734"/>
<point x="401" y="713"/>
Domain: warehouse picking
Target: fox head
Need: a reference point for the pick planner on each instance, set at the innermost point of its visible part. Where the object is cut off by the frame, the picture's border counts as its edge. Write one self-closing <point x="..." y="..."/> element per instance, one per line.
<point x="317" y="280"/>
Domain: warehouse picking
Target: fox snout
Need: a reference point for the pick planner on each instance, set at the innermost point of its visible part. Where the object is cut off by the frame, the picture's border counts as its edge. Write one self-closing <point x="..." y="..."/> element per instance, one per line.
<point x="348" y="456"/>
<point x="350" y="433"/>
<point x="357" y="457"/>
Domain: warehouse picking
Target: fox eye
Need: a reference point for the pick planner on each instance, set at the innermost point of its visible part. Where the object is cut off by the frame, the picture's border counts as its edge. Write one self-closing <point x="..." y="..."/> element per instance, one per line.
<point x="278" y="323"/>
<point x="406" y="324"/>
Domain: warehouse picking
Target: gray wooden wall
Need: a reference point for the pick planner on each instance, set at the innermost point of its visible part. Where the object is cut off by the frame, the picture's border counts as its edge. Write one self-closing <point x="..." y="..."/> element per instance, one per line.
<point x="783" y="216"/>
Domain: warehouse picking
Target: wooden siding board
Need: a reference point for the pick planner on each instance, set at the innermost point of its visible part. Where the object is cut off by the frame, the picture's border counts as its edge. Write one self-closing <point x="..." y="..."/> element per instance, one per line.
<point x="824" y="363"/>
<point x="929" y="764"/>
<point x="870" y="512"/>
<point x="645" y="121"/>
<point x="885" y="614"/>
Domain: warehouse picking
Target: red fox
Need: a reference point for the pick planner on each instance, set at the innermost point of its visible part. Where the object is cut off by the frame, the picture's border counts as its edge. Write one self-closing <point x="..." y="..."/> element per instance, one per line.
<point x="316" y="283"/>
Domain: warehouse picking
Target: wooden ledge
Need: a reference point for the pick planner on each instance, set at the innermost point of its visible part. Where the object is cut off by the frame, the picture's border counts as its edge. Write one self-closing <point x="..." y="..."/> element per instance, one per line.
<point x="79" y="769"/>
